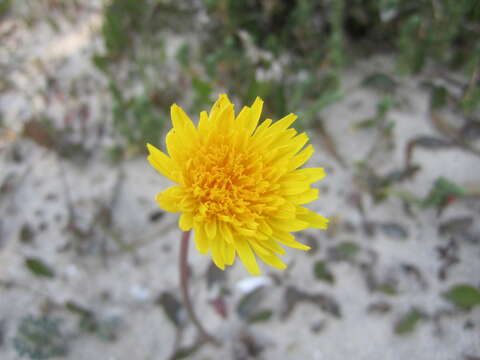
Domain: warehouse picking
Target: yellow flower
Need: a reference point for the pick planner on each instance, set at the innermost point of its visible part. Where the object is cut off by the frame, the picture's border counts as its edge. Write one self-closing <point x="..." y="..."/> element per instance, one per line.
<point x="239" y="184"/>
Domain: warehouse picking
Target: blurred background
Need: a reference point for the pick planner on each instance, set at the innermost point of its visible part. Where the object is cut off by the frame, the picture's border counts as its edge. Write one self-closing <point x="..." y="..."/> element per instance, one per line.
<point x="389" y="92"/>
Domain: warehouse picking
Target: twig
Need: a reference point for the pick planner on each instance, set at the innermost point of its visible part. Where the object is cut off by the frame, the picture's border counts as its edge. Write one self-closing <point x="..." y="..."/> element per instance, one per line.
<point x="68" y="196"/>
<point x="180" y="352"/>
<point x="329" y="143"/>
<point x="105" y="216"/>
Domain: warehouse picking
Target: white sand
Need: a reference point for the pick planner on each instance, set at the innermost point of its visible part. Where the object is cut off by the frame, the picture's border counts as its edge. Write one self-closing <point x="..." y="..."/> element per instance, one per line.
<point x="125" y="284"/>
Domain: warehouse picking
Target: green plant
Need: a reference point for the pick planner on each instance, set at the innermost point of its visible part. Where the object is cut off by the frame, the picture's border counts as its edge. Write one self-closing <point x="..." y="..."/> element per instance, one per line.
<point x="40" y="338"/>
<point x="289" y="53"/>
<point x="5" y="7"/>
<point x="136" y="119"/>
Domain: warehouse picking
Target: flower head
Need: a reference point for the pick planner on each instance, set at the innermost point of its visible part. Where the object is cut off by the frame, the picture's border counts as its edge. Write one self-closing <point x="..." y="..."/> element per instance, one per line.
<point x="239" y="184"/>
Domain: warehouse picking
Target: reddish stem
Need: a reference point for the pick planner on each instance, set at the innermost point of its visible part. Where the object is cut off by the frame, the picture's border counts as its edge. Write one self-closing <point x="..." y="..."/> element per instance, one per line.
<point x="184" y="287"/>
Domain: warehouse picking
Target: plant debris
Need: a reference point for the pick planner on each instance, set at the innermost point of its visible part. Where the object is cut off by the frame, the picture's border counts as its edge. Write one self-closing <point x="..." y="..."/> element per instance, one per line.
<point x="324" y="302"/>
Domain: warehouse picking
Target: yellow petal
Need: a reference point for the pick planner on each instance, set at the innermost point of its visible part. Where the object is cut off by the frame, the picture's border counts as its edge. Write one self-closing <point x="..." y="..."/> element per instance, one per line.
<point x="302" y="157"/>
<point x="201" y="240"/>
<point x="305" y="197"/>
<point x="174" y="147"/>
<point x="229" y="254"/>
<point x="246" y="256"/>
<point x="179" y="118"/>
<point x="188" y="204"/>
<point x="289" y="240"/>
<point x="225" y="119"/>
<point x="245" y="232"/>
<point x="211" y="228"/>
<point x="285" y="211"/>
<point x="217" y="107"/>
<point x="203" y="122"/>
<point x="185" y="222"/>
<point x="273" y="246"/>
<point x="217" y="252"/>
<point x="272" y="260"/>
<point x="183" y="128"/>
<point x="262" y="129"/>
<point x="161" y="162"/>
<point x="255" y="112"/>
<point x="225" y="232"/>
<point x="294" y="188"/>
<point x="284" y="122"/>
<point x="242" y="117"/>
<point x="315" y="220"/>
<point x="287" y="225"/>
<point x="257" y="247"/>
<point x="312" y="174"/>
<point x="170" y="198"/>
<point x="288" y="145"/>
<point x="265" y="228"/>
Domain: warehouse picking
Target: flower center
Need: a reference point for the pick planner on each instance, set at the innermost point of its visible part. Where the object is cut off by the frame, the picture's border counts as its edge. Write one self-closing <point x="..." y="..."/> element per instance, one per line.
<point x="229" y="184"/>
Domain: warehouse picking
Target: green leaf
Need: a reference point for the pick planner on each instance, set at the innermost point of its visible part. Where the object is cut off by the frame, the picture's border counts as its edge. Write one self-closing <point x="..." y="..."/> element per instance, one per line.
<point x="101" y="62"/>
<point x="202" y="92"/>
<point x="322" y="272"/>
<point x="387" y="289"/>
<point x="471" y="100"/>
<point x="77" y="309"/>
<point x="40" y="338"/>
<point x="347" y="249"/>
<point x="185" y="352"/>
<point x="366" y="124"/>
<point x="249" y="303"/>
<point x="5" y="6"/>
<point x="183" y="55"/>
<point x="322" y="102"/>
<point x="394" y="230"/>
<point x="215" y="275"/>
<point x="172" y="307"/>
<point x="442" y="191"/>
<point x="39" y="268"/>
<point x="326" y="100"/>
<point x="260" y="316"/>
<point x="408" y="323"/>
<point x="463" y="296"/>
<point x="438" y="97"/>
<point x="380" y="81"/>
<point x="26" y="234"/>
<point x="87" y="321"/>
<point x="384" y="106"/>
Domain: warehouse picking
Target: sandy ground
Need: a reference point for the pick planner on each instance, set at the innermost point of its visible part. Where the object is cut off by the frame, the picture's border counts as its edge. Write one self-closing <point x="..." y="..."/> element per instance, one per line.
<point x="119" y="267"/>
